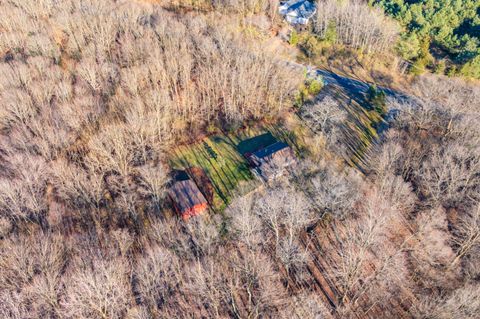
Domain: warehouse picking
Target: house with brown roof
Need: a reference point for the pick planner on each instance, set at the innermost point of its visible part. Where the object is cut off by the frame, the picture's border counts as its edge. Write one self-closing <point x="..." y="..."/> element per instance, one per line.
<point x="270" y="162"/>
<point x="187" y="199"/>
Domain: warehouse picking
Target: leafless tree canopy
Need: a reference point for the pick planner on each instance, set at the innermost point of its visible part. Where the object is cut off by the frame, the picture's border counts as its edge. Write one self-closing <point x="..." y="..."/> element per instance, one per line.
<point x="356" y="24"/>
<point x="94" y="97"/>
<point x="99" y="89"/>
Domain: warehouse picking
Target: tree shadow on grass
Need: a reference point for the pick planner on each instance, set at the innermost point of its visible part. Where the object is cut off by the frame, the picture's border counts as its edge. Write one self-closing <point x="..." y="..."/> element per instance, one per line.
<point x="287" y="136"/>
<point x="219" y="158"/>
<point x="218" y="182"/>
<point x="234" y="163"/>
<point x="360" y="132"/>
<point x="181" y="159"/>
<point x="253" y="144"/>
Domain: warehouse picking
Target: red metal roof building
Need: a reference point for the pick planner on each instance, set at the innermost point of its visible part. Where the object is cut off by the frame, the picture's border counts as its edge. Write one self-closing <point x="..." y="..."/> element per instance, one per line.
<point x="187" y="199"/>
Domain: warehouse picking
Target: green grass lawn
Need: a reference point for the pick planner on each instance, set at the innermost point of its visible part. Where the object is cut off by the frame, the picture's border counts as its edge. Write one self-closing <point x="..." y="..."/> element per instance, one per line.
<point x="221" y="158"/>
<point x="360" y="127"/>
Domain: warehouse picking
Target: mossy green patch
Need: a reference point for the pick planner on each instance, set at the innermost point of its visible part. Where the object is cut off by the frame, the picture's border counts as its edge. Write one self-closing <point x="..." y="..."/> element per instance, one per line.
<point x="218" y="156"/>
<point x="221" y="156"/>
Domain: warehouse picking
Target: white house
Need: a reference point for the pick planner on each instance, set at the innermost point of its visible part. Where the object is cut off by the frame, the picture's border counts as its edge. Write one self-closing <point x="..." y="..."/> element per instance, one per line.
<point x="297" y="11"/>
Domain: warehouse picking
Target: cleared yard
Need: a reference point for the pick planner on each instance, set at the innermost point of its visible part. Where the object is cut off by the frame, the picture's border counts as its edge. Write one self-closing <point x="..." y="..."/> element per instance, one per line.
<point x="218" y="156"/>
<point x="360" y="130"/>
<point x="221" y="157"/>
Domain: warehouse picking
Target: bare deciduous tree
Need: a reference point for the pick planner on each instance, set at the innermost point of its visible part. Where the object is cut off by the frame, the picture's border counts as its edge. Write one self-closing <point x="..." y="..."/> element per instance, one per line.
<point x="157" y="274"/>
<point x="255" y="278"/>
<point x="461" y="303"/>
<point x="284" y="208"/>
<point x="467" y="234"/>
<point x="99" y="290"/>
<point x="356" y="24"/>
<point x="76" y="186"/>
<point x="23" y="197"/>
<point x="153" y="183"/>
<point x="31" y="270"/>
<point x="308" y="305"/>
<point x="335" y="193"/>
<point x="245" y="221"/>
<point x="450" y="175"/>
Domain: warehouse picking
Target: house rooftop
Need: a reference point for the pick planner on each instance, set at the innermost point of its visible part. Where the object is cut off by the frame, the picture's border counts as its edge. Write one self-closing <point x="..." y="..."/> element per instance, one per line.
<point x="269" y="150"/>
<point x="271" y="161"/>
<point x="297" y="11"/>
<point x="188" y="199"/>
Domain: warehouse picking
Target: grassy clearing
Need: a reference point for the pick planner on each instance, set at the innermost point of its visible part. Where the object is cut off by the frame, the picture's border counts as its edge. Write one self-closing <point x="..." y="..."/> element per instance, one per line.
<point x="218" y="156"/>
<point x="360" y="130"/>
<point x="221" y="158"/>
<point x="220" y="161"/>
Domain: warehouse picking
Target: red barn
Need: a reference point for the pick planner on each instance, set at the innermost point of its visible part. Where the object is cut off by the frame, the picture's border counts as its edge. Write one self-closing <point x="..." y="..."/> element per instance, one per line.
<point x="187" y="199"/>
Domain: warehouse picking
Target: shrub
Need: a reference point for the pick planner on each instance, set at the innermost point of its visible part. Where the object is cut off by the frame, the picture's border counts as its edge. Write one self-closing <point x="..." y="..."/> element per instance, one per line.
<point x="377" y="99"/>
<point x="471" y="68"/>
<point x="294" y="38"/>
<point x="314" y="86"/>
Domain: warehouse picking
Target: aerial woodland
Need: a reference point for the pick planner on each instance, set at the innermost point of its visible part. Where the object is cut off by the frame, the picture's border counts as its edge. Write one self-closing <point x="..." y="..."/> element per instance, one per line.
<point x="102" y="102"/>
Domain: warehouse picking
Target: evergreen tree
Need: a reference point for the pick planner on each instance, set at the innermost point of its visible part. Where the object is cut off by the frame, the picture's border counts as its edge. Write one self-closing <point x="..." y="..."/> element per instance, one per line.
<point x="453" y="26"/>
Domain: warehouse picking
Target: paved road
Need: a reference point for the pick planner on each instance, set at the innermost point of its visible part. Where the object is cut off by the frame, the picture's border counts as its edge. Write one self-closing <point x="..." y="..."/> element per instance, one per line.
<point x="354" y="86"/>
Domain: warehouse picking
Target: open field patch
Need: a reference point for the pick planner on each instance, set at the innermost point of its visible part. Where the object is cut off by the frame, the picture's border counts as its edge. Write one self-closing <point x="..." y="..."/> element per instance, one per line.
<point x="221" y="156"/>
